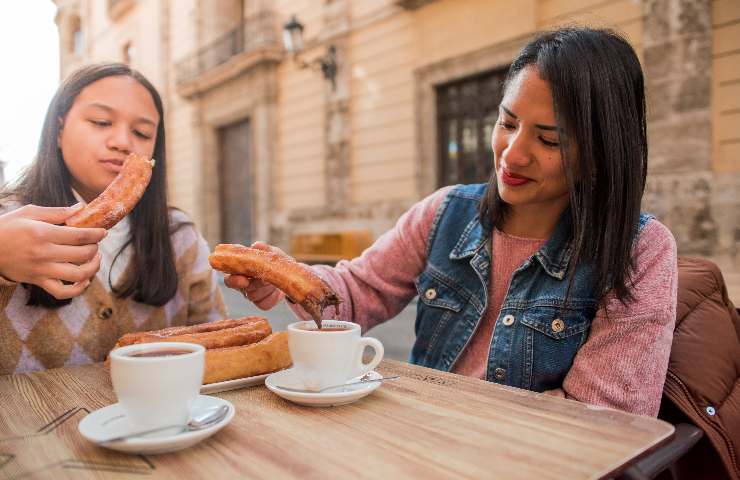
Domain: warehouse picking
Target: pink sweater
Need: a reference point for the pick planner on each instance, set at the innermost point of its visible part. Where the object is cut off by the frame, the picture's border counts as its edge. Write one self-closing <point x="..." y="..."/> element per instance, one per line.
<point x="622" y="364"/>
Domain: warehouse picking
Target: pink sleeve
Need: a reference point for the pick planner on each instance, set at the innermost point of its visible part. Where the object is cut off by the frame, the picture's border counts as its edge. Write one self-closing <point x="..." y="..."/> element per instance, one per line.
<point x="377" y="285"/>
<point x="623" y="363"/>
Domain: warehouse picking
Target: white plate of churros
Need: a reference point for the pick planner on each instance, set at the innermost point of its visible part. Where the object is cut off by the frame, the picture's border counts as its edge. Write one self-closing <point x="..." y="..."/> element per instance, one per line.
<point x="239" y="353"/>
<point x="235" y="384"/>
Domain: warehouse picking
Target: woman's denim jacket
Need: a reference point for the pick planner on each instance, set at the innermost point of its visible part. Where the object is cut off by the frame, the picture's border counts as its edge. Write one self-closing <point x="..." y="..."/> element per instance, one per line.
<point x="536" y="335"/>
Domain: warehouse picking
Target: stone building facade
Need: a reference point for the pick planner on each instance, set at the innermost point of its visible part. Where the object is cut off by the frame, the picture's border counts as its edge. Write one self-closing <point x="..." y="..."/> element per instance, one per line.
<point x="261" y="148"/>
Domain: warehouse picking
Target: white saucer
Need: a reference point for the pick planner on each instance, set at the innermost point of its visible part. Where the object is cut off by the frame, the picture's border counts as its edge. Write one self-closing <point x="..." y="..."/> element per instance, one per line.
<point x="109" y="422"/>
<point x="227" y="385"/>
<point x="332" y="398"/>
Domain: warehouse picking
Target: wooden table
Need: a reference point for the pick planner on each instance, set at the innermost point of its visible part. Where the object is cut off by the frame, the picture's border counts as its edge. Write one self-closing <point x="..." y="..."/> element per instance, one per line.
<point x="428" y="424"/>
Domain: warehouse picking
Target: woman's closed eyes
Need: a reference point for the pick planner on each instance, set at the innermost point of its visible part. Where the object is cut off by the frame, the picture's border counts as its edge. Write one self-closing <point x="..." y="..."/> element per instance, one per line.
<point x="511" y="127"/>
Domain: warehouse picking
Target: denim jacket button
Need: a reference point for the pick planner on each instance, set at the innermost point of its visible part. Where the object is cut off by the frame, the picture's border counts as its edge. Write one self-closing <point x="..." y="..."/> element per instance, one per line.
<point x="499" y="373"/>
<point x="430" y="294"/>
<point x="558" y="325"/>
<point x="508" y="320"/>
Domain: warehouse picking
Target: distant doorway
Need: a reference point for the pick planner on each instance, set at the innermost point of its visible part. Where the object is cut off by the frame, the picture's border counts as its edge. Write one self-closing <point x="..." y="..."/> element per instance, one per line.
<point x="467" y="110"/>
<point x="236" y="183"/>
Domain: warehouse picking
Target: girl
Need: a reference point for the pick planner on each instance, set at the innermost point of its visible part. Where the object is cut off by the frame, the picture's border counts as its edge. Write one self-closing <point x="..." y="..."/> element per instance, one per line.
<point x="67" y="294"/>
<point x="547" y="278"/>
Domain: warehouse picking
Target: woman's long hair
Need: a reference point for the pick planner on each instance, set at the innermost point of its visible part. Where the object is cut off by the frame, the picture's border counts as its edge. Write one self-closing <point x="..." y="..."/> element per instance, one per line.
<point x="151" y="278"/>
<point x="599" y="100"/>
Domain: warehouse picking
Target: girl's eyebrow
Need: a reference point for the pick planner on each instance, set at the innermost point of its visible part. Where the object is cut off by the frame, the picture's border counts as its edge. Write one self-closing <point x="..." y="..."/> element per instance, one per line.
<point x="108" y="109"/>
<point x="537" y="125"/>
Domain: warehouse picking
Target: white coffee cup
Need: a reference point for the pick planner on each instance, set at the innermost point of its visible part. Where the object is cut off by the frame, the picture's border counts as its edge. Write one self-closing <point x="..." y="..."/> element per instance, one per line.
<point x="322" y="358"/>
<point x="156" y="389"/>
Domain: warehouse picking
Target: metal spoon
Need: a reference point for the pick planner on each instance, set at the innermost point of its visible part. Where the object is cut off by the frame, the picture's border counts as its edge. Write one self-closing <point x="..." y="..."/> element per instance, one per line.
<point x="362" y="380"/>
<point x="198" y="422"/>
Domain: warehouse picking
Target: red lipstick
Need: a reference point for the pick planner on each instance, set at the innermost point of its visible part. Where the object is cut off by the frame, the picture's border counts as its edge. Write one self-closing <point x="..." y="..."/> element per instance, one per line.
<point x="513" y="179"/>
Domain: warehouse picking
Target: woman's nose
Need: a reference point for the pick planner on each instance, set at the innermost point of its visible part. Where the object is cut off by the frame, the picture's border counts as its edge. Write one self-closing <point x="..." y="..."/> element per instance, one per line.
<point x="517" y="152"/>
<point x="120" y="139"/>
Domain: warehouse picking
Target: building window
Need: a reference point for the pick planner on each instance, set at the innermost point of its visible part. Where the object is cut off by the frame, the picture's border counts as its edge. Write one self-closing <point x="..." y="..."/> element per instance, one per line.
<point x="127" y="52"/>
<point x="76" y="44"/>
<point x="467" y="110"/>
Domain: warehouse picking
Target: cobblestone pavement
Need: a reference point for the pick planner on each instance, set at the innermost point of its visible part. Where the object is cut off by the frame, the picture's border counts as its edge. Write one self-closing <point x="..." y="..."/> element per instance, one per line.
<point x="397" y="334"/>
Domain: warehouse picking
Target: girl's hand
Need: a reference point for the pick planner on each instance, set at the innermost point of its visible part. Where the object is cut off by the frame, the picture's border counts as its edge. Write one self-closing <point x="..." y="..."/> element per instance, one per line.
<point x="262" y="294"/>
<point x="38" y="250"/>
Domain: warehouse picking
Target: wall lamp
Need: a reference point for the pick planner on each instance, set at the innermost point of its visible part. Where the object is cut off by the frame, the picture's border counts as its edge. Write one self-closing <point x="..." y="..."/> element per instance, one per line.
<point x="293" y="42"/>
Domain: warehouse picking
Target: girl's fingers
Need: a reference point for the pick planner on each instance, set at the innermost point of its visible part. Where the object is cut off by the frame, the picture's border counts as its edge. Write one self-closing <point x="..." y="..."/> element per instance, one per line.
<point x="60" y="291"/>
<point x="53" y="215"/>
<point x="71" y="254"/>
<point x="75" y="236"/>
<point x="75" y="273"/>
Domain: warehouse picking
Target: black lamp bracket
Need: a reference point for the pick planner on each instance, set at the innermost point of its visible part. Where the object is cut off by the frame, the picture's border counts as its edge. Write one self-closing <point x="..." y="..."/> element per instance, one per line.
<point x="327" y="64"/>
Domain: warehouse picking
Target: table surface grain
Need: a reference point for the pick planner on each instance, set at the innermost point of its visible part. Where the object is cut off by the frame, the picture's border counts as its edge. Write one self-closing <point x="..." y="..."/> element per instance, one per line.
<point x="427" y="424"/>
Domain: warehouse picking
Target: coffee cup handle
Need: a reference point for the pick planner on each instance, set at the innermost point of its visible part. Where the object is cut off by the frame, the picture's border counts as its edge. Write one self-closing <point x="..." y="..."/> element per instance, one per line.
<point x="363" y="368"/>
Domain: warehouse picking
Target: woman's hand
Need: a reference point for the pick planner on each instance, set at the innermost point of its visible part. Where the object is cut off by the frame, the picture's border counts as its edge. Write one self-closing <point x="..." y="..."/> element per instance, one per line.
<point x="262" y="294"/>
<point x="37" y="250"/>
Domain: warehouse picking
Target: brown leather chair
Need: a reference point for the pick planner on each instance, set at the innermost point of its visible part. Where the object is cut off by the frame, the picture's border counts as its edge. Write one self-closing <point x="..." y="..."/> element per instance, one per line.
<point x="702" y="390"/>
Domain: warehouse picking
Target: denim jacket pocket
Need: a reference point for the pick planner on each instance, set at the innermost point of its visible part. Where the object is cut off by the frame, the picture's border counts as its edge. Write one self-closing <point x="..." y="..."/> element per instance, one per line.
<point x="435" y="292"/>
<point x="554" y="323"/>
<point x="439" y="303"/>
<point x="552" y="338"/>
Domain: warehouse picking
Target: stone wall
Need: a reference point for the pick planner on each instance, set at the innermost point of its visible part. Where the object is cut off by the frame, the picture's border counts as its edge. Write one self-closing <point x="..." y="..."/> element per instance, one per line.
<point x="699" y="205"/>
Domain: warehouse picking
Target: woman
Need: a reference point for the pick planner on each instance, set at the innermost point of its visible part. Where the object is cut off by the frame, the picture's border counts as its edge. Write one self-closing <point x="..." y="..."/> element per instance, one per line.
<point x="547" y="278"/>
<point x="67" y="294"/>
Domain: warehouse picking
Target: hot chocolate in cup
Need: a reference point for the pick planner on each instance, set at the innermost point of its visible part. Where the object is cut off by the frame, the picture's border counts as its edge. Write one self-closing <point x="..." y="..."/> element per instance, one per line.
<point x="157" y="383"/>
<point x="332" y="355"/>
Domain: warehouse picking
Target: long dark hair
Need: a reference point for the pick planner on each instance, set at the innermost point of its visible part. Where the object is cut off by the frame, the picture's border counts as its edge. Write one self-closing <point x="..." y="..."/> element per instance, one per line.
<point x="599" y="102"/>
<point x="151" y="278"/>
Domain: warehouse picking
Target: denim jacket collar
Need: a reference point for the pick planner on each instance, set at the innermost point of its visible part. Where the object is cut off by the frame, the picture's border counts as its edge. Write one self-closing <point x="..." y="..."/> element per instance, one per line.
<point x="471" y="240"/>
<point x="554" y="255"/>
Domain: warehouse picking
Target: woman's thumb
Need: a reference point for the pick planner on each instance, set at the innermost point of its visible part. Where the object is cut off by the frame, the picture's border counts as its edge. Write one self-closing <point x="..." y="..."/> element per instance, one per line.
<point x="264" y="246"/>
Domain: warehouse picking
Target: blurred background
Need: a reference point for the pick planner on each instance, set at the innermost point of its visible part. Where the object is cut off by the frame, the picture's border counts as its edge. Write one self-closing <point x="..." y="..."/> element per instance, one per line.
<point x="313" y="124"/>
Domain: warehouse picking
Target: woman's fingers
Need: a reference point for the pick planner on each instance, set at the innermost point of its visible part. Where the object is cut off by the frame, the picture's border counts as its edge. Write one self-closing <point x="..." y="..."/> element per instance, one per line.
<point x="262" y="294"/>
<point x="266" y="299"/>
<point x="245" y="284"/>
<point x="270" y="248"/>
<point x="260" y="245"/>
<point x="237" y="282"/>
